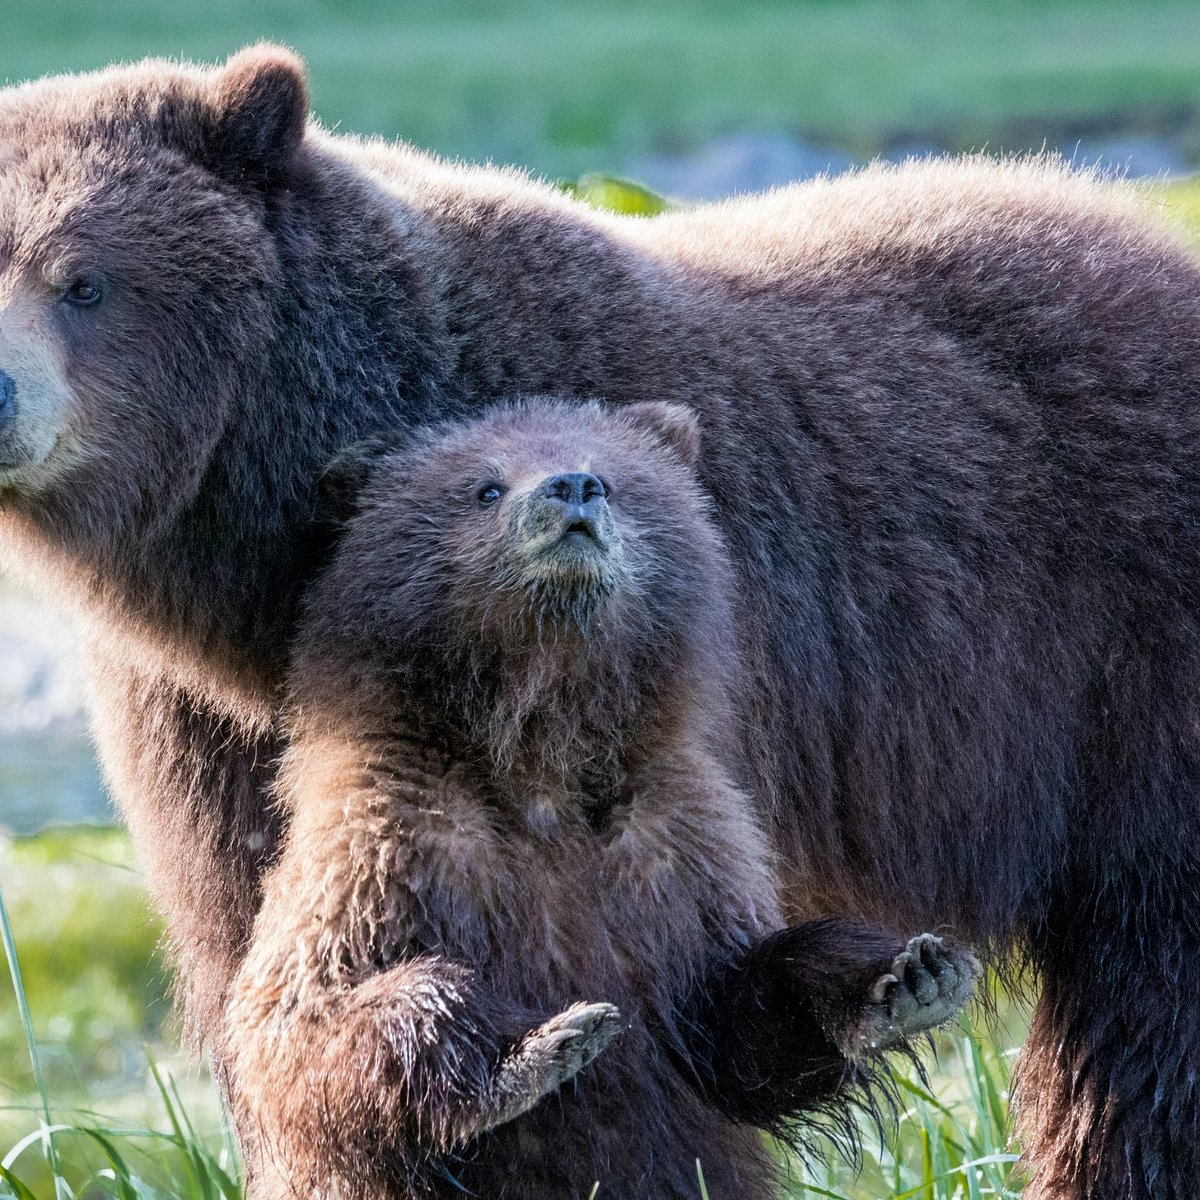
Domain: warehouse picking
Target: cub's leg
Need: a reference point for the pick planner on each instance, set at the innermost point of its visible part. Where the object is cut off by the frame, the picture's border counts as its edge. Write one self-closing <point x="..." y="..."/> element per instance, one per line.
<point x="927" y="983"/>
<point x="781" y="1030"/>
<point x="358" y="1054"/>
<point x="544" y="1059"/>
<point x="379" y="1078"/>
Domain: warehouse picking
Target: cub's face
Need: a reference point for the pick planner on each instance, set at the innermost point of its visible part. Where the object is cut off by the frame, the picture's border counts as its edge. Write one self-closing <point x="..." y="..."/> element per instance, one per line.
<point x="135" y="273"/>
<point x="545" y="518"/>
<point x="555" y="540"/>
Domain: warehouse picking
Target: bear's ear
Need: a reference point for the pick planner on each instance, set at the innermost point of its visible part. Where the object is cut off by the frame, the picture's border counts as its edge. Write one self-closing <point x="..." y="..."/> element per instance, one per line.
<point x="674" y="424"/>
<point x="260" y="107"/>
<point x="341" y="483"/>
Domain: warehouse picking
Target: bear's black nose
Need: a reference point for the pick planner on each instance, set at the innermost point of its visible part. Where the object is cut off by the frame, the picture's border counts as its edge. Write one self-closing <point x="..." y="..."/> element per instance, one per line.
<point x="579" y="501"/>
<point x="574" y="488"/>
<point x="8" y="396"/>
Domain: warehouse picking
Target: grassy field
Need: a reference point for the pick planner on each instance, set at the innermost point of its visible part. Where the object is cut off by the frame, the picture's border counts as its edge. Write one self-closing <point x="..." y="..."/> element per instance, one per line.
<point x="567" y="88"/>
<point x="86" y="1032"/>
<point x="129" y="1118"/>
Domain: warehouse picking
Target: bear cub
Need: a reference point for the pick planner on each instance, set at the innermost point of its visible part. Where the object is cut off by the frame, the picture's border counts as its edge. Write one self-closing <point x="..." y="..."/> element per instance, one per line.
<point x="517" y="845"/>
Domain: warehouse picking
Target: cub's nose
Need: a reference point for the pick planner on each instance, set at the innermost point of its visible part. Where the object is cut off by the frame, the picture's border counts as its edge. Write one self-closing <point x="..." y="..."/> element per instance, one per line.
<point x="576" y="503"/>
<point x="574" y="488"/>
<point x="8" y="397"/>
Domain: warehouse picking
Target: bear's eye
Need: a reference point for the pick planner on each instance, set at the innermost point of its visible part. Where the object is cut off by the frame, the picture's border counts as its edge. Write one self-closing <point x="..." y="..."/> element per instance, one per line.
<point x="83" y="293"/>
<point x="489" y="494"/>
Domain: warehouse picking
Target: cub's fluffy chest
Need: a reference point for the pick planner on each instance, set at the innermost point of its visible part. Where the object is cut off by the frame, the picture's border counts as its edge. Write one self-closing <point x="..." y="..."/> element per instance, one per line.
<point x="528" y="889"/>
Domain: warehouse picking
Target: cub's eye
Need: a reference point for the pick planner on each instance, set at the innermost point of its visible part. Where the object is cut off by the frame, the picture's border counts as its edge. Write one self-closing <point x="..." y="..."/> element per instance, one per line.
<point x="83" y="293"/>
<point x="489" y="494"/>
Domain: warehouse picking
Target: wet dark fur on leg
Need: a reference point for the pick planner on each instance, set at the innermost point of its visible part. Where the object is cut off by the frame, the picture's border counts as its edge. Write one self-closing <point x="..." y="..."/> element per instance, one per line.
<point x="790" y="1036"/>
<point x="1110" y="1106"/>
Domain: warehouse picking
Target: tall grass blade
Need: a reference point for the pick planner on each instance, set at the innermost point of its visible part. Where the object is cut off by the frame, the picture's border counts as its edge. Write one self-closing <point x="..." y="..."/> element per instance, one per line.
<point x="14" y="1186"/>
<point x="124" y="1187"/>
<point x="38" y="1135"/>
<point x="61" y="1190"/>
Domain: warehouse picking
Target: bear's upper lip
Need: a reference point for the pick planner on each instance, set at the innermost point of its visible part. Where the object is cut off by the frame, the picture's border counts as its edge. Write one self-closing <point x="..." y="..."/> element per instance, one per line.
<point x="581" y="534"/>
<point x="587" y="528"/>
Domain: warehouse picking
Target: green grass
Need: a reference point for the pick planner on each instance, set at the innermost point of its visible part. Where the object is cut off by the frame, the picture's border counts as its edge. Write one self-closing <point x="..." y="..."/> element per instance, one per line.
<point x="79" y="1155"/>
<point x="93" y="979"/>
<point x="564" y="88"/>
<point x="1181" y="202"/>
<point x="87" y="1109"/>
<point x="952" y="1138"/>
<point x="86" y="1002"/>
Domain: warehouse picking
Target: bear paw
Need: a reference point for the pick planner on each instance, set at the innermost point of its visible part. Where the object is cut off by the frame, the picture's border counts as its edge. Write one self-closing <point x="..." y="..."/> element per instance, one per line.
<point x="928" y="983"/>
<point x="547" y="1057"/>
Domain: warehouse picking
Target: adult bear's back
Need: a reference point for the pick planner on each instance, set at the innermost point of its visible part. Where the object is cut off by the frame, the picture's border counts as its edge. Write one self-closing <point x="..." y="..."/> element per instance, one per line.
<point x="964" y="485"/>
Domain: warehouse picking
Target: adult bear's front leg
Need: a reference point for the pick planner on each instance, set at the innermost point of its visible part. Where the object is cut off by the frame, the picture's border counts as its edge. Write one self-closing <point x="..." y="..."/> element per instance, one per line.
<point x="786" y="1028"/>
<point x="1107" y="1094"/>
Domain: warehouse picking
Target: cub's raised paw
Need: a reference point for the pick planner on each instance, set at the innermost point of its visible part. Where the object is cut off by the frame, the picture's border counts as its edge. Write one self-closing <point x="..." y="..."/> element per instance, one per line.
<point x="928" y="982"/>
<point x="548" y="1056"/>
<point x="565" y="1044"/>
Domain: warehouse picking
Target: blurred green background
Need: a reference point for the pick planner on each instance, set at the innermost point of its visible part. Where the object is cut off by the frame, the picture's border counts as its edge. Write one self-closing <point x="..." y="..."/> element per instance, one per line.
<point x="691" y="99"/>
<point x="572" y="87"/>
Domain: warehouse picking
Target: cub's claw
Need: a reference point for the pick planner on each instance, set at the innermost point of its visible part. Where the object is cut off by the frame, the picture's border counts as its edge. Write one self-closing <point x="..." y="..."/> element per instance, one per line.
<point x="927" y="984"/>
<point x="548" y="1056"/>
<point x="568" y="1042"/>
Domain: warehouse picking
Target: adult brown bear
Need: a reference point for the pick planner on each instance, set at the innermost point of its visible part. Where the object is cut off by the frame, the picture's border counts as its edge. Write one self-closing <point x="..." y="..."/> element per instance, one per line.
<point x="951" y="432"/>
<point x="509" y="792"/>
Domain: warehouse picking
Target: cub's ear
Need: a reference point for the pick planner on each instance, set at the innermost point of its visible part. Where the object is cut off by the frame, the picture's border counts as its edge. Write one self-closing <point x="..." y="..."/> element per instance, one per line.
<point x="674" y="424"/>
<point x="259" y="106"/>
<point x="341" y="483"/>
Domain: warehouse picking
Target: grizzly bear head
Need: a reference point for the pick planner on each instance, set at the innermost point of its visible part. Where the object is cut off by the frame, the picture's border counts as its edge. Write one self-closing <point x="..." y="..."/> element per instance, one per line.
<point x="549" y="562"/>
<point x="199" y="306"/>
<point x="135" y="273"/>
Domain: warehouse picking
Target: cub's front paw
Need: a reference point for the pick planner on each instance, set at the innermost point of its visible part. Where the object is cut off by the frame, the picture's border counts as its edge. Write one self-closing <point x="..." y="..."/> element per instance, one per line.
<point x="565" y="1044"/>
<point x="928" y="982"/>
<point x="546" y="1057"/>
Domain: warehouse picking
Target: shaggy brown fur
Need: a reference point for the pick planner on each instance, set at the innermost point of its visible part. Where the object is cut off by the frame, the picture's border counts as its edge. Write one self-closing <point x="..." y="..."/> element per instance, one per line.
<point x="951" y="433"/>
<point x="508" y="792"/>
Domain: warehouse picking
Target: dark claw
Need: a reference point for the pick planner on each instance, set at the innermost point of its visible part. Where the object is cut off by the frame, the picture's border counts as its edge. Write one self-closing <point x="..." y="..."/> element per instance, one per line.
<point x="927" y="984"/>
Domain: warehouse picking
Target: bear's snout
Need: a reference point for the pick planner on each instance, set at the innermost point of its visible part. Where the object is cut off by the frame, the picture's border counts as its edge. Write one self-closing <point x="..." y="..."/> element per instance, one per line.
<point x="574" y="487"/>
<point x="35" y="397"/>
<point x="578" y="500"/>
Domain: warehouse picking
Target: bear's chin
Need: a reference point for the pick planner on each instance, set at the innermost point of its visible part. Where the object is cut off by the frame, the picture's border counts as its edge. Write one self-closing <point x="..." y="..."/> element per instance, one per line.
<point x="573" y="562"/>
<point x="569" y="591"/>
